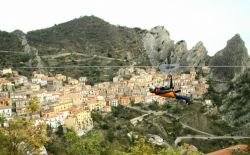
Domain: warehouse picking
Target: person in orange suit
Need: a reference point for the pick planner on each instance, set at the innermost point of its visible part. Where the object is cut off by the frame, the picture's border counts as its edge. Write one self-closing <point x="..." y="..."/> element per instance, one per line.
<point x="168" y="91"/>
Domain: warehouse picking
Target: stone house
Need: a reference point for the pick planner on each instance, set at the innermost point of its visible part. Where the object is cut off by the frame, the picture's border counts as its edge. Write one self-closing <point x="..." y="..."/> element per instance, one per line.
<point x="79" y="120"/>
<point x="124" y="100"/>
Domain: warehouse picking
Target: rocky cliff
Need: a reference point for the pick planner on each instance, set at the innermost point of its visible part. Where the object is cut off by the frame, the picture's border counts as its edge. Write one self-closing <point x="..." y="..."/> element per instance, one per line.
<point x="158" y="45"/>
<point x="195" y="57"/>
<point x="162" y="50"/>
<point x="180" y="50"/>
<point x="35" y="60"/>
<point x="233" y="58"/>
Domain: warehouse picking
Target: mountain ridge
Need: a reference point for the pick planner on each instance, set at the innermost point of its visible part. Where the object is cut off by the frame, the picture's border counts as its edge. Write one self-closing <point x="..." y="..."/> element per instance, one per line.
<point x="90" y="40"/>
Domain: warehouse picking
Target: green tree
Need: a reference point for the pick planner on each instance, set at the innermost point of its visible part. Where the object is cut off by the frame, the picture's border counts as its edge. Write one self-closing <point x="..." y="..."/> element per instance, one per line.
<point x="2" y="120"/>
<point x="49" y="130"/>
<point x="154" y="106"/>
<point x="22" y="136"/>
<point x="114" y="149"/>
<point x="169" y="151"/>
<point x="71" y="137"/>
<point x="34" y="105"/>
<point x="91" y="144"/>
<point x="142" y="148"/>
<point x="59" y="131"/>
<point x="110" y="135"/>
<point x="3" y="142"/>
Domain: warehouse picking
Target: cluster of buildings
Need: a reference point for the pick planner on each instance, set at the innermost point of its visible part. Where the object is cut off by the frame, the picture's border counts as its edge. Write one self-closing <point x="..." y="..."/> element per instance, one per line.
<point x="69" y="102"/>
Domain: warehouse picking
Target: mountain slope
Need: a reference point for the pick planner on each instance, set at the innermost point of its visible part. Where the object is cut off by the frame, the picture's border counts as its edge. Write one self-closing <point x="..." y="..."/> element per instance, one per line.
<point x="10" y="42"/>
<point x="88" y="41"/>
<point x="236" y="103"/>
<point x="12" y="52"/>
<point x="90" y="35"/>
<point x="85" y="41"/>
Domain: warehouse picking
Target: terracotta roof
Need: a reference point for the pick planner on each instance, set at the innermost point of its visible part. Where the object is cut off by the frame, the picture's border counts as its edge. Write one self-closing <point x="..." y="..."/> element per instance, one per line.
<point x="92" y="101"/>
<point x="229" y="150"/>
<point x="62" y="111"/>
<point x="48" y="111"/>
<point x="52" y="116"/>
<point x="75" y="95"/>
<point x="4" y="107"/>
<point x="76" y="111"/>
<point x="20" y="108"/>
<point x="4" y="99"/>
<point x="3" y="81"/>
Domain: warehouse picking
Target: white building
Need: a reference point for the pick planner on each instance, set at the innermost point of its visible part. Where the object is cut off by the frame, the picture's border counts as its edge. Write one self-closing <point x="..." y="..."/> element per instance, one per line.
<point x="208" y="103"/>
<point x="5" y="71"/>
<point x="34" y="87"/>
<point x="57" y="119"/>
<point x="82" y="79"/>
<point x="40" y="81"/>
<point x="18" y="95"/>
<point x="5" y="111"/>
<point x="113" y="102"/>
<point x="51" y="96"/>
<point x="20" y="80"/>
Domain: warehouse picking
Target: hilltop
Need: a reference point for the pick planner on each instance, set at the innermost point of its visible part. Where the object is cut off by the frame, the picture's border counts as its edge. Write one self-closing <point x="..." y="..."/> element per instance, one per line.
<point x="85" y="41"/>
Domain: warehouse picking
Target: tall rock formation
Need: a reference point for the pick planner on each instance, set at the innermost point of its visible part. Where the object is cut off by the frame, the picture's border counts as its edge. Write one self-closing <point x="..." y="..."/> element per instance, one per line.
<point x="158" y="45"/>
<point x="195" y="57"/>
<point x="233" y="58"/>
<point x="162" y="50"/>
<point x="179" y="51"/>
<point x="35" y="60"/>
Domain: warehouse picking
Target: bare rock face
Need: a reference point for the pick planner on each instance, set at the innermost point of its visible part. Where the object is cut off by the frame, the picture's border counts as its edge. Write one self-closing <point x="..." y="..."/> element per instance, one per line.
<point x="195" y="57"/>
<point x="179" y="50"/>
<point x="233" y="57"/>
<point x="35" y="60"/>
<point x="158" y="45"/>
<point x="162" y="50"/>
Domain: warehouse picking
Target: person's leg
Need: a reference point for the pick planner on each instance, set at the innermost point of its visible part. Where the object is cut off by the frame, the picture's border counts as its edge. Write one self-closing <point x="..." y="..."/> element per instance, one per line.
<point x="178" y="97"/>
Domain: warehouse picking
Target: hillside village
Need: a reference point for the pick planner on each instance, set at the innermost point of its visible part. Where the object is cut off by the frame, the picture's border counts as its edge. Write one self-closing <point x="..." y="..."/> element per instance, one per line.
<point x="69" y="102"/>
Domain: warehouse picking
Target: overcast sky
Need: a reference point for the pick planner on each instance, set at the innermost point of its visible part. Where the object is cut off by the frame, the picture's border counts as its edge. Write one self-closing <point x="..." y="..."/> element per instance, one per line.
<point x="210" y="21"/>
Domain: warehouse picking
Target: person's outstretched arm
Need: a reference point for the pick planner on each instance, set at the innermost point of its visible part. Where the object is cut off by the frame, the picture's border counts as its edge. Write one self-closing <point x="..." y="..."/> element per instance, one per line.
<point x="171" y="82"/>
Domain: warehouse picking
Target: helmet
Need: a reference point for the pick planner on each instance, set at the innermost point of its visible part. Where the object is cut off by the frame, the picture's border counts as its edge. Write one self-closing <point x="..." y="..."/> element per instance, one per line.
<point x="151" y="87"/>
